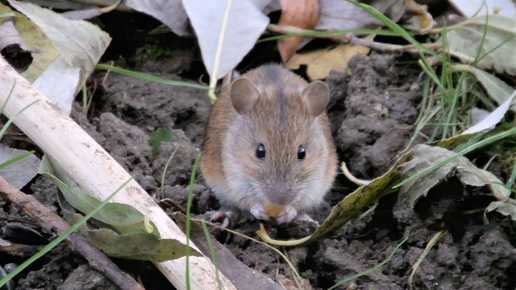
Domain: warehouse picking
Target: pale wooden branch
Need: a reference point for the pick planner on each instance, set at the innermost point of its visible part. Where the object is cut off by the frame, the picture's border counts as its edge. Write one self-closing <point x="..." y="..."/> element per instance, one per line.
<point x="94" y="170"/>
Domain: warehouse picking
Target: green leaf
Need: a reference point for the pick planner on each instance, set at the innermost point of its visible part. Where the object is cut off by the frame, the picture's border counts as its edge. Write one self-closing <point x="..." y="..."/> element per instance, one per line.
<point x="158" y="136"/>
<point x="135" y="246"/>
<point x="363" y="197"/>
<point x="124" y="218"/>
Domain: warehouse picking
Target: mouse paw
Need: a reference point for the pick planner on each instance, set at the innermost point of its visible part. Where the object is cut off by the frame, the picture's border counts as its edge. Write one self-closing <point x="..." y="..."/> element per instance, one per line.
<point x="259" y="212"/>
<point x="227" y="218"/>
<point x="306" y="218"/>
<point x="287" y="215"/>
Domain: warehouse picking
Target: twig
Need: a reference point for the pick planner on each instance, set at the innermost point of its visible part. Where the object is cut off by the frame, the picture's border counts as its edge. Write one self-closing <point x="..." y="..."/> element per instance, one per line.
<point x="53" y="223"/>
<point x="19" y="250"/>
<point x="348" y="38"/>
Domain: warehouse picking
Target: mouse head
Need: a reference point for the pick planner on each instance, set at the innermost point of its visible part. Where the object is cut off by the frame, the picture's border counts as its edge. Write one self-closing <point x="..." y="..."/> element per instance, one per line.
<point x="276" y="149"/>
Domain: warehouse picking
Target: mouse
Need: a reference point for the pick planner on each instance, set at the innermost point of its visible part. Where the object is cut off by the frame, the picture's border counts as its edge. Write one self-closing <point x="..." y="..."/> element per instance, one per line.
<point x="268" y="148"/>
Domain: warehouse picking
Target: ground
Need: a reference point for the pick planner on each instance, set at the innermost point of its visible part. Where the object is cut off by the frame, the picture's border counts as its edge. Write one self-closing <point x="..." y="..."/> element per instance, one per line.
<point x="372" y="114"/>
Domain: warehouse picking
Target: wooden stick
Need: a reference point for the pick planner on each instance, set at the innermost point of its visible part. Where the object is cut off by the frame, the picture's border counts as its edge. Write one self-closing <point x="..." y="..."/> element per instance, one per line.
<point x="53" y="223"/>
<point x="95" y="171"/>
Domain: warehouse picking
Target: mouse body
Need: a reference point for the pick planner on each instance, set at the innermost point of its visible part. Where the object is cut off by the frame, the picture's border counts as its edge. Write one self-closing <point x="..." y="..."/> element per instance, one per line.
<point x="268" y="148"/>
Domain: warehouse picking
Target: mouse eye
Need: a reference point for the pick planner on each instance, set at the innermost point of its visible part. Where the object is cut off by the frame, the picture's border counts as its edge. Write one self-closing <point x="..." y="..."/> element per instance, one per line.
<point x="301" y="153"/>
<point x="260" y="151"/>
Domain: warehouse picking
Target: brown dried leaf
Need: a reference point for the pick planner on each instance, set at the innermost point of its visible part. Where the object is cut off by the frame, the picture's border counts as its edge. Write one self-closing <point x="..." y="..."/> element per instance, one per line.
<point x="300" y="13"/>
<point x="319" y="63"/>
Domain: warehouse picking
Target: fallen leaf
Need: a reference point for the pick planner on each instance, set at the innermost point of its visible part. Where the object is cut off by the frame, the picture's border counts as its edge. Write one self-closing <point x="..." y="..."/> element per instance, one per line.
<point x="361" y="198"/>
<point x="37" y="43"/>
<point x="492" y="38"/>
<point x="122" y="217"/>
<point x="21" y="172"/>
<point x="320" y="63"/>
<point x="425" y="156"/>
<point x="470" y="8"/>
<point x="8" y="33"/>
<point x="62" y="5"/>
<point x="82" y="14"/>
<point x="342" y="15"/>
<point x="505" y="207"/>
<point x="417" y="17"/>
<point x="132" y="246"/>
<point x="493" y="118"/>
<point x="12" y="46"/>
<point x="60" y="82"/>
<point x="299" y="13"/>
<point x="245" y="24"/>
<point x="169" y="12"/>
<point x="497" y="89"/>
<point x="80" y="45"/>
<point x="478" y="115"/>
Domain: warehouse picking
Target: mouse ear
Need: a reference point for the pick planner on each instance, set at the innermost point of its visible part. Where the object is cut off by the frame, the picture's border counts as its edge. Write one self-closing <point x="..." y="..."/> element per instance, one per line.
<point x="317" y="96"/>
<point x="244" y="95"/>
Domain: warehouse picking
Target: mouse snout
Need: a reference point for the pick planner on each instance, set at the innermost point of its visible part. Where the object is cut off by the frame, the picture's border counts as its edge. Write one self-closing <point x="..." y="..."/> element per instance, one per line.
<point x="281" y="193"/>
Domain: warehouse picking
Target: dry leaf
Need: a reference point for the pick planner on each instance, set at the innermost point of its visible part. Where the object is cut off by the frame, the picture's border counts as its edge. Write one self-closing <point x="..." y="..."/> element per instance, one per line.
<point x="21" y="172"/>
<point x="245" y="24"/>
<point x="80" y="45"/>
<point x="342" y="15"/>
<point x="170" y="12"/>
<point x="425" y="156"/>
<point x="35" y="41"/>
<point x="492" y="38"/>
<point x="470" y="8"/>
<point x="320" y="63"/>
<point x="82" y="14"/>
<point x="299" y="13"/>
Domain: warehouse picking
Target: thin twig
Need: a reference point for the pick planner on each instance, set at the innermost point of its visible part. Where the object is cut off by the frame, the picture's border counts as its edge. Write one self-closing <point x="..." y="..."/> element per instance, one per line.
<point x="19" y="250"/>
<point x="348" y="38"/>
<point x="53" y="223"/>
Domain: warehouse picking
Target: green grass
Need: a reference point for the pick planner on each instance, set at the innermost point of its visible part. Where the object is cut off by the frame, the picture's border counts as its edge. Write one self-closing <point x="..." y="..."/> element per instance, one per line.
<point x="188" y="220"/>
<point x="162" y="189"/>
<point x="212" y="251"/>
<point x="448" y="96"/>
<point x="148" y="77"/>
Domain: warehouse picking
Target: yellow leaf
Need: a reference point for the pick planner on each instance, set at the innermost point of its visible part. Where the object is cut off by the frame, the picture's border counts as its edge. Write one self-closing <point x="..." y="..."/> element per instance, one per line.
<point x="320" y="63"/>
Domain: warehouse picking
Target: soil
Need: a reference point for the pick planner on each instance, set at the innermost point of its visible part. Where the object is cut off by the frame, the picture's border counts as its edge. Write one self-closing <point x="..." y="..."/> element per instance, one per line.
<point x="372" y="113"/>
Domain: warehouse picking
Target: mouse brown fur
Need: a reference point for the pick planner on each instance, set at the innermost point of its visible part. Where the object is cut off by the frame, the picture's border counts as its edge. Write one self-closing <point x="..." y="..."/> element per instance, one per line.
<point x="268" y="144"/>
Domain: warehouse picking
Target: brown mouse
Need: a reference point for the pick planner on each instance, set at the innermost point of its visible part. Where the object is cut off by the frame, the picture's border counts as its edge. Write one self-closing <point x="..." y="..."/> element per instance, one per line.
<point x="268" y="148"/>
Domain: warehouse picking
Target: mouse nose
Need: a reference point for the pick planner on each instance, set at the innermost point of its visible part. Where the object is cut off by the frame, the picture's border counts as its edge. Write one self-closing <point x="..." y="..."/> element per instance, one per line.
<point x="281" y="193"/>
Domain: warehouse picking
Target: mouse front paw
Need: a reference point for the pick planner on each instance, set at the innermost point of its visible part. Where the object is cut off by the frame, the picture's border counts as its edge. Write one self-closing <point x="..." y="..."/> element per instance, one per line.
<point x="259" y="212"/>
<point x="304" y="217"/>
<point x="227" y="218"/>
<point x="287" y="215"/>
